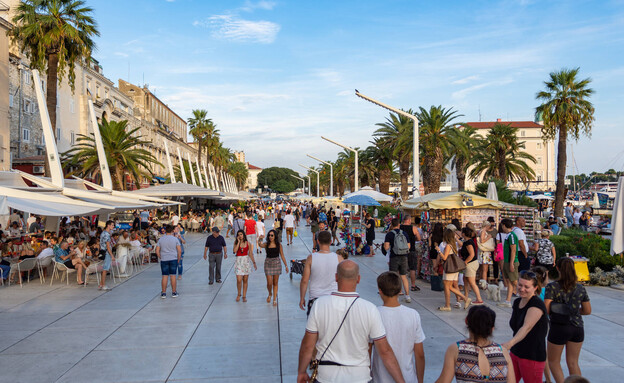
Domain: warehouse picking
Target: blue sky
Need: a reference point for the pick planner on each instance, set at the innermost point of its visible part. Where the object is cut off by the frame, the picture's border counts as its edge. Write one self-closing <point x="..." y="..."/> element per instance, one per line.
<point x="276" y="75"/>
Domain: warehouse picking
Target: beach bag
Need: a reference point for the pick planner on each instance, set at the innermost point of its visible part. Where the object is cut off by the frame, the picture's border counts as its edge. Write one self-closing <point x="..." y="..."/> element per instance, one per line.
<point x="454" y="264"/>
<point x="400" y="246"/>
<point x="499" y="253"/>
<point x="487" y="246"/>
<point x="295" y="233"/>
<point x="436" y="283"/>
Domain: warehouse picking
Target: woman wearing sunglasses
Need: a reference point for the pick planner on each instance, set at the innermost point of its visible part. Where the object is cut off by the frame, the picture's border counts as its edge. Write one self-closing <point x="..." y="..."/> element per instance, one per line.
<point x="272" y="263"/>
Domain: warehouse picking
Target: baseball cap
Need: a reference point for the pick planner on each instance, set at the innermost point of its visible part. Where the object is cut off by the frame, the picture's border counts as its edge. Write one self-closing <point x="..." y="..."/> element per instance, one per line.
<point x="215" y="229"/>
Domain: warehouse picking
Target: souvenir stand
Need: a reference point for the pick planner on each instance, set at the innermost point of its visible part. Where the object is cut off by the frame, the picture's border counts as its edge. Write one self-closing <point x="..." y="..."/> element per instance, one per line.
<point x="444" y="207"/>
<point x="351" y="231"/>
<point x="533" y="226"/>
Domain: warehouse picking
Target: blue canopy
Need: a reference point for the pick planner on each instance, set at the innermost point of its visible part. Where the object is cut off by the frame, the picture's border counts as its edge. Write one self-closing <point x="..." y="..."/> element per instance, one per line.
<point x="361" y="200"/>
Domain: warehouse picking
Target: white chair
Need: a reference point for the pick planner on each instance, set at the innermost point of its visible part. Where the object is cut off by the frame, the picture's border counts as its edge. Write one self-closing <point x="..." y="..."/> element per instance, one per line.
<point x="27" y="265"/>
<point x="60" y="268"/>
<point x="195" y="226"/>
<point x="95" y="267"/>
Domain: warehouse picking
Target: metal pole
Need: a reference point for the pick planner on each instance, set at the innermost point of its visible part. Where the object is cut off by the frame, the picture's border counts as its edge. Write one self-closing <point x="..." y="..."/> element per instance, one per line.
<point x="357" y="180"/>
<point x="318" y="181"/>
<point x="331" y="173"/>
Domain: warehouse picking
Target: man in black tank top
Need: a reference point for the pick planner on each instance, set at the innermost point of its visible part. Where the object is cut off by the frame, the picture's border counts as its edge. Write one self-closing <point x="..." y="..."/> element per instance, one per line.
<point x="412" y="261"/>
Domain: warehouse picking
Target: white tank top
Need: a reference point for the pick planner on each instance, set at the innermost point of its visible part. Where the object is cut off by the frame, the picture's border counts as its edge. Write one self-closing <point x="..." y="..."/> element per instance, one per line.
<point x="323" y="274"/>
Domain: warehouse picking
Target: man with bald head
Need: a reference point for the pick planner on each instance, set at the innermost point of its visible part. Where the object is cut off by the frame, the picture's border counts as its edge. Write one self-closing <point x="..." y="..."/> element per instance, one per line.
<point x="340" y="327"/>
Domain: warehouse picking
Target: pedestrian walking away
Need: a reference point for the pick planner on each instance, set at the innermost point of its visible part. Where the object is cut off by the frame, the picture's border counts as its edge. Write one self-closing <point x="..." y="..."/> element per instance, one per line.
<point x="272" y="263"/>
<point x="168" y="251"/>
<point x="242" y="267"/>
<point x="340" y="327"/>
<point x="397" y="245"/>
<point x="217" y="250"/>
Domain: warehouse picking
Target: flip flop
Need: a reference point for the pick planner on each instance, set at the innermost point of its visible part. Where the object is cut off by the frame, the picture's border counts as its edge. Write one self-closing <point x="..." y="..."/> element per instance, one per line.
<point x="444" y="308"/>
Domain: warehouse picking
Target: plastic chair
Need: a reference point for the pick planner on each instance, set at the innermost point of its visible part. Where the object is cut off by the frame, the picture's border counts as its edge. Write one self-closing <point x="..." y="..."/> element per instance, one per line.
<point x="27" y="265"/>
<point x="58" y="269"/>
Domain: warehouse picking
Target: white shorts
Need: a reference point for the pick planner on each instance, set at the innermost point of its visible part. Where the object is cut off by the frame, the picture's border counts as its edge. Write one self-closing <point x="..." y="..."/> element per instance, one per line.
<point x="471" y="269"/>
<point x="450" y="277"/>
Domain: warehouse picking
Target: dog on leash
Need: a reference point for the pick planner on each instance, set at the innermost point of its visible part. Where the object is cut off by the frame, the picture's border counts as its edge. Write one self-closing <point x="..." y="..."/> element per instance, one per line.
<point x="494" y="291"/>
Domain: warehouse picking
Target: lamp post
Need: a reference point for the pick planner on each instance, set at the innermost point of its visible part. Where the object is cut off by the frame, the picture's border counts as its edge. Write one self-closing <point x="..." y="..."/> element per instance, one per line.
<point x="301" y="179"/>
<point x="318" y="178"/>
<point x="331" y="173"/>
<point x="356" y="159"/>
<point x="416" y="175"/>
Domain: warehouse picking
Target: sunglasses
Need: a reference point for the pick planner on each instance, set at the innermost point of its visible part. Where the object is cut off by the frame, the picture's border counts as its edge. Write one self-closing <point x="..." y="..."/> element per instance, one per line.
<point x="527" y="273"/>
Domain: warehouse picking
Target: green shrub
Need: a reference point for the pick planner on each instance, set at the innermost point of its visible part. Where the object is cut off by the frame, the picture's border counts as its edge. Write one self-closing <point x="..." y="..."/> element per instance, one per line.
<point x="382" y="210"/>
<point x="589" y="245"/>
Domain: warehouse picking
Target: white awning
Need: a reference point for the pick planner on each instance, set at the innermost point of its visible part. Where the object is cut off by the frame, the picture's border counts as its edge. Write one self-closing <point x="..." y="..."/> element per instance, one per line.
<point x="42" y="203"/>
<point x="178" y="190"/>
<point x="370" y="192"/>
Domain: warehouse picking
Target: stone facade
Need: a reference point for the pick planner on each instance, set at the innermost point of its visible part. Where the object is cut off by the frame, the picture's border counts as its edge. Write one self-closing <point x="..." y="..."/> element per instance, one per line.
<point x="5" y="131"/>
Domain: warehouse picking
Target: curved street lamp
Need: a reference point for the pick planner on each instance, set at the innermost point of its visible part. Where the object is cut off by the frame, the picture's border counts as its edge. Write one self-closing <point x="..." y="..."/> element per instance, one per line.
<point x="416" y="175"/>
<point x="318" y="178"/>
<point x="331" y="173"/>
<point x="301" y="179"/>
<point x="356" y="159"/>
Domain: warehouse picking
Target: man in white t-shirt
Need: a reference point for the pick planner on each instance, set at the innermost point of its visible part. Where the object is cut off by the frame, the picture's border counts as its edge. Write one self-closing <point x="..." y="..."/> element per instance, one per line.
<point x="175" y="220"/>
<point x="403" y="331"/>
<point x="576" y="217"/>
<point x="340" y="327"/>
<point x="289" y="224"/>
<point x="230" y="222"/>
<point x="523" y="257"/>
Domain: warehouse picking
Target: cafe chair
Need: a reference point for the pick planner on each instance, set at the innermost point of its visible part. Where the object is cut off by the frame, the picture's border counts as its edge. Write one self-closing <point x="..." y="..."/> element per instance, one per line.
<point x="59" y="268"/>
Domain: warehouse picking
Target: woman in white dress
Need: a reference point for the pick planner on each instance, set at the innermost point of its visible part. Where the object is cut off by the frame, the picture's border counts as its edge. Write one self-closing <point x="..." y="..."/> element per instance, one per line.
<point x="242" y="267"/>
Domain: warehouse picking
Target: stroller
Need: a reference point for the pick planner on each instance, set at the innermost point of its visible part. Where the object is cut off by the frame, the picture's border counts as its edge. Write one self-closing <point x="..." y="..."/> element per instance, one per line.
<point x="296" y="266"/>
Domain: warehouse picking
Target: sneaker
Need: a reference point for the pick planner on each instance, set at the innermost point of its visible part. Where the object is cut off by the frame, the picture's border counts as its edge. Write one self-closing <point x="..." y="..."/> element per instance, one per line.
<point x="174" y="294"/>
<point x="457" y="305"/>
<point x="505" y="304"/>
<point x="408" y="299"/>
<point x="104" y="288"/>
<point x="163" y="295"/>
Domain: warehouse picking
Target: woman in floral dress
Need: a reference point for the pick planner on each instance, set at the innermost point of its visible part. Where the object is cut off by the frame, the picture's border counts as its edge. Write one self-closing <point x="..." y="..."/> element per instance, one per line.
<point x="242" y="267"/>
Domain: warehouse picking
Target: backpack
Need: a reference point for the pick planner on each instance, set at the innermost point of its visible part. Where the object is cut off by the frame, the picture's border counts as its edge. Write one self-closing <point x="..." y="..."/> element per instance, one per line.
<point x="400" y="246"/>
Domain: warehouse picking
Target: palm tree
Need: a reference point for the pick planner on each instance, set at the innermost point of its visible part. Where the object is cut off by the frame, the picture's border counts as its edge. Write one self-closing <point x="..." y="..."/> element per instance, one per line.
<point x="199" y="129"/>
<point x="239" y="171"/>
<point x="464" y="142"/>
<point x="500" y="155"/>
<point x="396" y="135"/>
<point x="123" y="152"/>
<point x="381" y="159"/>
<point x="435" y="126"/>
<point x="347" y="168"/>
<point x="54" y="35"/>
<point x="567" y="111"/>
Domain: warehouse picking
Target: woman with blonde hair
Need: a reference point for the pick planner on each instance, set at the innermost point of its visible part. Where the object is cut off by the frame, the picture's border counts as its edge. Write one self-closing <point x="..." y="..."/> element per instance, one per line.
<point x="445" y="250"/>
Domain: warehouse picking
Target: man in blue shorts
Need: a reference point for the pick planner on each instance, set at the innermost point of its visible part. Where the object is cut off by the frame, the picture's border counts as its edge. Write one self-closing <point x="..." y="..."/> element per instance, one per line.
<point x="106" y="249"/>
<point x="169" y="252"/>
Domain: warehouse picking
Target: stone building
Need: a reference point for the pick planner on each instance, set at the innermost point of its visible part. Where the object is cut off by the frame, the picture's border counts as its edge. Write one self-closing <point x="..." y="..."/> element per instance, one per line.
<point x="5" y="131"/>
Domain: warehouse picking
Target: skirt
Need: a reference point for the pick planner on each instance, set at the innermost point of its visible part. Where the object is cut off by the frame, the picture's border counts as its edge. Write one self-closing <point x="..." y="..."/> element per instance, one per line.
<point x="242" y="266"/>
<point x="485" y="258"/>
<point x="273" y="266"/>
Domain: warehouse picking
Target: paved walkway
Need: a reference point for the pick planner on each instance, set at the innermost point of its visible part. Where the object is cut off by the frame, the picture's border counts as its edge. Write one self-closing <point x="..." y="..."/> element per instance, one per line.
<point x="79" y="334"/>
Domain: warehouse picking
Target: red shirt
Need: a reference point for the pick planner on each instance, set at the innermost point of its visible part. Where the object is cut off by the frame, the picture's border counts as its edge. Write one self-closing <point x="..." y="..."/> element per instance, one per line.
<point x="250" y="226"/>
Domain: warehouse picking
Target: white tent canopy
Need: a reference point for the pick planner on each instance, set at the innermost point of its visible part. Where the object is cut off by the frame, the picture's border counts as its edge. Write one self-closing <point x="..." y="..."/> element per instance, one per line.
<point x="541" y="196"/>
<point x="47" y="204"/>
<point x="178" y="190"/>
<point x="124" y="194"/>
<point x="617" y="220"/>
<point x="370" y="192"/>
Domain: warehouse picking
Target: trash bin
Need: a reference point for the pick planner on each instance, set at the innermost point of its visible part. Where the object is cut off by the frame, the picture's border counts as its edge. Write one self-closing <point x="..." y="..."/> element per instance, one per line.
<point x="580" y="266"/>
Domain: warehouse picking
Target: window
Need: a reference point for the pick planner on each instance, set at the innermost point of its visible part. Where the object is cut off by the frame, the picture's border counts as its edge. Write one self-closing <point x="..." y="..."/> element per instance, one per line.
<point x="522" y="133"/>
<point x="10" y="100"/>
<point x="26" y="135"/>
<point x="97" y="91"/>
<point x="539" y="146"/>
<point x="43" y="85"/>
<point x="58" y="133"/>
<point x="72" y="138"/>
<point x="539" y="160"/>
<point x="540" y="176"/>
<point x="106" y="93"/>
<point x="26" y="76"/>
<point x="32" y="107"/>
<point x="71" y="105"/>
<point x="25" y="105"/>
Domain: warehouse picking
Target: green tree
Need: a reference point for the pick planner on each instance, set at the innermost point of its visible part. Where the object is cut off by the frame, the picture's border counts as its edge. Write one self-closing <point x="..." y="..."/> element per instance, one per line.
<point x="504" y="194"/>
<point x="54" y="35"/>
<point x="123" y="152"/>
<point x="380" y="158"/>
<point x="239" y="171"/>
<point x="435" y="125"/>
<point x="270" y="177"/>
<point x="396" y="135"/>
<point x="465" y="140"/>
<point x="566" y="111"/>
<point x="500" y="155"/>
<point x="346" y="170"/>
<point x="202" y="129"/>
<point x="283" y="186"/>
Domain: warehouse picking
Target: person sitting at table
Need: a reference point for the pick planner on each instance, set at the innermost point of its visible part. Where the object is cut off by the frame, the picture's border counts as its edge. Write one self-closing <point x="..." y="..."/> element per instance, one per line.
<point x="14" y="230"/>
<point x="44" y="256"/>
<point x="27" y="250"/>
<point x="137" y="247"/>
<point x="36" y="226"/>
<point x="63" y="255"/>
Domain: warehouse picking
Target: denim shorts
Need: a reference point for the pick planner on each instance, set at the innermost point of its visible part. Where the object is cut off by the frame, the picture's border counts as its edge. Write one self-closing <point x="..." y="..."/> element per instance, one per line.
<point x="107" y="262"/>
<point x="169" y="267"/>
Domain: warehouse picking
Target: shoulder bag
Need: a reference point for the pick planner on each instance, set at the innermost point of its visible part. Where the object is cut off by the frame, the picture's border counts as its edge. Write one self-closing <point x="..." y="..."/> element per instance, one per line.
<point x="561" y="312"/>
<point x="319" y="362"/>
<point x="454" y="264"/>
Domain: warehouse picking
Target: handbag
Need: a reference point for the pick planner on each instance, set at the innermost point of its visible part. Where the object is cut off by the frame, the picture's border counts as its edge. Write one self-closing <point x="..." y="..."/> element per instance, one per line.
<point x="487" y="246"/>
<point x="561" y="312"/>
<point x="295" y="233"/>
<point x="318" y="362"/>
<point x="436" y="283"/>
<point x="102" y="255"/>
<point x="454" y="264"/>
<point x="499" y="253"/>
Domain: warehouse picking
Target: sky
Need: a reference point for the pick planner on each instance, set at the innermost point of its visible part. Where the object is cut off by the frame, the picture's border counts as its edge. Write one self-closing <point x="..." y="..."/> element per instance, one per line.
<point x="277" y="75"/>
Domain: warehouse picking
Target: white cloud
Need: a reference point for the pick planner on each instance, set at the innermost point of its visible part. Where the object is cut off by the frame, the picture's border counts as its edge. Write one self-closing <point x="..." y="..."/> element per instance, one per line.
<point x="251" y="6"/>
<point x="461" y="94"/>
<point x="121" y="54"/>
<point x="234" y="28"/>
<point x="465" y="80"/>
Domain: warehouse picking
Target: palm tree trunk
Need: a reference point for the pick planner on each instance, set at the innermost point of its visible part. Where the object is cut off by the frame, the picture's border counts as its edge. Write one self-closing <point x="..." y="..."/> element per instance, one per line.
<point x="502" y="166"/>
<point x="118" y="171"/>
<point x="436" y="174"/>
<point x="460" y="171"/>
<point x="384" y="180"/>
<point x="403" y="173"/>
<point x="562" y="158"/>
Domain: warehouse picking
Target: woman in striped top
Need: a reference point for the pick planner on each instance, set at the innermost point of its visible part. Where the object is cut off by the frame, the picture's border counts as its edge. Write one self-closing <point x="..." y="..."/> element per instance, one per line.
<point x="477" y="359"/>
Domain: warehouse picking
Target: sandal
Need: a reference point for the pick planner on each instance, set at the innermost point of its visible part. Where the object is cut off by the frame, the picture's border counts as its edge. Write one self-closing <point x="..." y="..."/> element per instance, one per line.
<point x="467" y="304"/>
<point x="444" y="308"/>
<point x="244" y="299"/>
<point x="415" y="288"/>
<point x="269" y="299"/>
<point x="238" y="298"/>
<point x="477" y="302"/>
